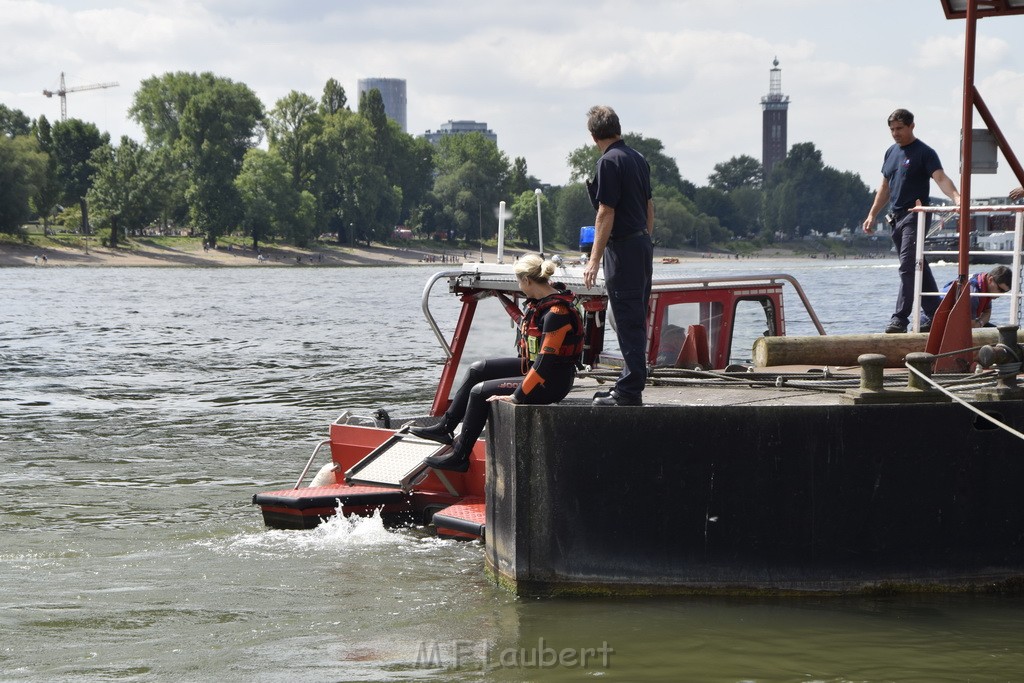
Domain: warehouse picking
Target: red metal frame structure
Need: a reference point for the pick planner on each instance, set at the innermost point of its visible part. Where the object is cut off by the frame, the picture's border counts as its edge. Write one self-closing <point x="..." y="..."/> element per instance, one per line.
<point x="957" y="9"/>
<point x="451" y="366"/>
<point x="951" y="329"/>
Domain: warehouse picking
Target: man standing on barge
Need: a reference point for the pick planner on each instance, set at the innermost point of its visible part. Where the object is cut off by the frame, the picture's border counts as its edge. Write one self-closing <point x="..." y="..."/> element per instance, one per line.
<point x="621" y="194"/>
<point x="907" y="169"/>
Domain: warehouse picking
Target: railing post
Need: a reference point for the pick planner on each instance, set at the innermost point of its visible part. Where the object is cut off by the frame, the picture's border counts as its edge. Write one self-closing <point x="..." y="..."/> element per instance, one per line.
<point x="915" y="311"/>
<point x="1018" y="243"/>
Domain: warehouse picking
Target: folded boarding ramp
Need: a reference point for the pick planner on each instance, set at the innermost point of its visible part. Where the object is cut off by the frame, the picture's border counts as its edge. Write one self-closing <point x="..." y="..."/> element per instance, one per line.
<point x="398" y="463"/>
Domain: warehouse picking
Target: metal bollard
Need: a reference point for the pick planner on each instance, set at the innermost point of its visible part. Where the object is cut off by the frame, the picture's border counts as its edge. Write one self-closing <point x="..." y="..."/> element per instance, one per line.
<point x="922" y="362"/>
<point x="1006" y="352"/>
<point x="871" y="375"/>
<point x="1007" y="357"/>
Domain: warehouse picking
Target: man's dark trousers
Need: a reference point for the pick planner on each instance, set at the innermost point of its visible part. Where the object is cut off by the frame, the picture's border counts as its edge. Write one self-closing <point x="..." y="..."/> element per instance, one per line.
<point x="904" y="237"/>
<point x="628" y="269"/>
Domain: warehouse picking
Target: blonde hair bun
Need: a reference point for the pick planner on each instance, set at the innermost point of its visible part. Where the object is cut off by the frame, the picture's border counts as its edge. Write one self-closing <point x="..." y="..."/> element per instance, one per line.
<point x="535" y="268"/>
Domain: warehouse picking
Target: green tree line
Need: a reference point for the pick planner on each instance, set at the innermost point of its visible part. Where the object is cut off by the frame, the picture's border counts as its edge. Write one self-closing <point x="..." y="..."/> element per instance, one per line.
<point x="215" y="161"/>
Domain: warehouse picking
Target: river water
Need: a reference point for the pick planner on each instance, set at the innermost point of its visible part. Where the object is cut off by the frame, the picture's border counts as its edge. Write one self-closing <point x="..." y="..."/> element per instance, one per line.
<point x="140" y="409"/>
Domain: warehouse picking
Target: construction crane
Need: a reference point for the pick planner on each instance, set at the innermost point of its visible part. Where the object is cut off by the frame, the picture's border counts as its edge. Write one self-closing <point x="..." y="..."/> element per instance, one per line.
<point x="62" y="92"/>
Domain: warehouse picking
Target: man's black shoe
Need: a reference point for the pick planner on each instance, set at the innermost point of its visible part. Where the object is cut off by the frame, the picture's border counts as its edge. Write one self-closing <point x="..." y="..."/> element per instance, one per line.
<point x="896" y="327"/>
<point x="603" y="392"/>
<point x="449" y="459"/>
<point x="617" y="399"/>
<point x="438" y="432"/>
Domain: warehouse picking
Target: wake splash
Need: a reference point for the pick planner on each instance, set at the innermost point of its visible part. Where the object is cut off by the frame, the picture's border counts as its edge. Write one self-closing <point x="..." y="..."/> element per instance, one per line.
<point x="334" y="534"/>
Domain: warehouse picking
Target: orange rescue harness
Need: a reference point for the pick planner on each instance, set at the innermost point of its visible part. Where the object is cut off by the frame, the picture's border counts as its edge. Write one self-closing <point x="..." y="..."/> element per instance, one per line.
<point x="531" y="328"/>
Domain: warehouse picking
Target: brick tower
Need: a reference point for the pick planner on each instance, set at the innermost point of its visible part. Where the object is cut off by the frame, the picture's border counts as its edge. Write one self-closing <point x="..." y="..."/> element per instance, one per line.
<point x="773" y="132"/>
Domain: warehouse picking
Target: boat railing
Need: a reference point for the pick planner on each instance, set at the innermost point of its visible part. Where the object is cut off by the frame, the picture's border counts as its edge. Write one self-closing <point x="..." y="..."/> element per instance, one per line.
<point x="659" y="285"/>
<point x="309" y="463"/>
<point x="425" y="305"/>
<point x="773" y="278"/>
<point x="1015" y="255"/>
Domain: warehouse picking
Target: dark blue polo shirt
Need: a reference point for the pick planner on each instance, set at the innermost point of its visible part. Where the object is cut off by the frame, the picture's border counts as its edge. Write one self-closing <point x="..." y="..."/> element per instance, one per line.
<point x="624" y="183"/>
<point x="909" y="172"/>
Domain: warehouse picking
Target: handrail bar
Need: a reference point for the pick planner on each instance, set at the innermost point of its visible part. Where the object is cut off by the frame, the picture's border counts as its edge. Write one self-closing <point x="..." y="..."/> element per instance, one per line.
<point x="309" y="463"/>
<point x="975" y="208"/>
<point x="425" y="305"/>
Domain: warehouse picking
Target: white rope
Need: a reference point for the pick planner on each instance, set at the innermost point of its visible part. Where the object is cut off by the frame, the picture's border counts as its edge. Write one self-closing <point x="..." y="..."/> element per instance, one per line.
<point x="964" y="403"/>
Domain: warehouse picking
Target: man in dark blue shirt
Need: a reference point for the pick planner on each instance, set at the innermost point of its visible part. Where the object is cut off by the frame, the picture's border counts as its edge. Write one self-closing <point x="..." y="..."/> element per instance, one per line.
<point x="621" y="194"/>
<point x="907" y="171"/>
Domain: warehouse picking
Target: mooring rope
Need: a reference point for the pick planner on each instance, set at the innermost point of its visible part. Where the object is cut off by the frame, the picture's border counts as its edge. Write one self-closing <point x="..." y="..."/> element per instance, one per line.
<point x="680" y="378"/>
<point x="964" y="403"/>
<point x="958" y="352"/>
<point x="827" y="382"/>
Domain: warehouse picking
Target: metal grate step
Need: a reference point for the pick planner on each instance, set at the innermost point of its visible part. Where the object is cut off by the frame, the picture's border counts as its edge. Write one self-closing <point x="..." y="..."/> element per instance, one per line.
<point x="398" y="462"/>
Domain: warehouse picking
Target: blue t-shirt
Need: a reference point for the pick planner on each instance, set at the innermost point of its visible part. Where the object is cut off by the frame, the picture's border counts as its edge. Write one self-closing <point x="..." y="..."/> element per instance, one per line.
<point x="909" y="172"/>
<point x="624" y="183"/>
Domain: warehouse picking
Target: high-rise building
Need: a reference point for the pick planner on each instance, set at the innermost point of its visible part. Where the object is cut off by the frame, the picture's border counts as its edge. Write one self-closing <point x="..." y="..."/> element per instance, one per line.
<point x="460" y="128"/>
<point x="773" y="132"/>
<point x="392" y="91"/>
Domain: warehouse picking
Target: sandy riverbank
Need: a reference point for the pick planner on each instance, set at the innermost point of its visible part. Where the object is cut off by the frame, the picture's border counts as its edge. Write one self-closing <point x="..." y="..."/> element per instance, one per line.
<point x="150" y="254"/>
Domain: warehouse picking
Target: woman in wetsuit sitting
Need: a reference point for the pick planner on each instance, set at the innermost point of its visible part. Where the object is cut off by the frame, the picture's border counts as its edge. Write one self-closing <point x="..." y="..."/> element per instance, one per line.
<point x="550" y="343"/>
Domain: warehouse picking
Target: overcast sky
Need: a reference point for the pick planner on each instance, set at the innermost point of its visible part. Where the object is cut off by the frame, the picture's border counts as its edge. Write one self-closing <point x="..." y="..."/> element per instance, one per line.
<point x="688" y="72"/>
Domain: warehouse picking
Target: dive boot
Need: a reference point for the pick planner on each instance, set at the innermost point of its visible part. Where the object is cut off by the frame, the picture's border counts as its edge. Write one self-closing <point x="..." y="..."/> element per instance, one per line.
<point x="452" y="460"/>
<point x="440" y="432"/>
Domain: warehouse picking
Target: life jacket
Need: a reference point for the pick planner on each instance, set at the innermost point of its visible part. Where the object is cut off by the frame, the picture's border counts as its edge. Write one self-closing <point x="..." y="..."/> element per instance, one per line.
<point x="531" y="329"/>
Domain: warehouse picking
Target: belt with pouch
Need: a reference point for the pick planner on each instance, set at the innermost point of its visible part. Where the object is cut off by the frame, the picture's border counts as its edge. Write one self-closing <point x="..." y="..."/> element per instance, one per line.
<point x="895" y="216"/>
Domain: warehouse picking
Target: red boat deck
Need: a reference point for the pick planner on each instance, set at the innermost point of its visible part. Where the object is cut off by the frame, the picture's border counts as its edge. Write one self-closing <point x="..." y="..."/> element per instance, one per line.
<point x="304" y="508"/>
<point x="465" y="519"/>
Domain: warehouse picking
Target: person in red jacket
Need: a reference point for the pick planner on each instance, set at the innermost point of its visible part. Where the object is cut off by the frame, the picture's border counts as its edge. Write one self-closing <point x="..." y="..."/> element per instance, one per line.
<point x="550" y="344"/>
<point x="996" y="281"/>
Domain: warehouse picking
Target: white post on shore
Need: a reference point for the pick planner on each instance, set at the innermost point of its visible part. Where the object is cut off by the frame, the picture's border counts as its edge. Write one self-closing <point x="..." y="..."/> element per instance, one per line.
<point x="540" y="229"/>
<point x="501" y="231"/>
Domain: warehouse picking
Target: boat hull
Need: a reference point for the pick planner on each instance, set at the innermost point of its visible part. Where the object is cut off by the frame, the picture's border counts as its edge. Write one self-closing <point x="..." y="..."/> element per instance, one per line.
<point x="754" y="498"/>
<point x="308" y="506"/>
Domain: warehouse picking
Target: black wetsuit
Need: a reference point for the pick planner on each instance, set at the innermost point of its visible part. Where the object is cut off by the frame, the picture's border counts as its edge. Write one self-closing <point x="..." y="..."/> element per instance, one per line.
<point x="546" y="380"/>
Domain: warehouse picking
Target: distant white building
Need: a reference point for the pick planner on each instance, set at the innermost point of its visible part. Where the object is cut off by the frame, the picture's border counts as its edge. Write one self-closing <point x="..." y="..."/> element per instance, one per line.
<point x="460" y="128"/>
<point x="996" y="241"/>
<point x="392" y="91"/>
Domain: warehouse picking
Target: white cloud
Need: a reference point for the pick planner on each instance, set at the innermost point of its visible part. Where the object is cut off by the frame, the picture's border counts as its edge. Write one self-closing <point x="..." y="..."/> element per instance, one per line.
<point x="689" y="72"/>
